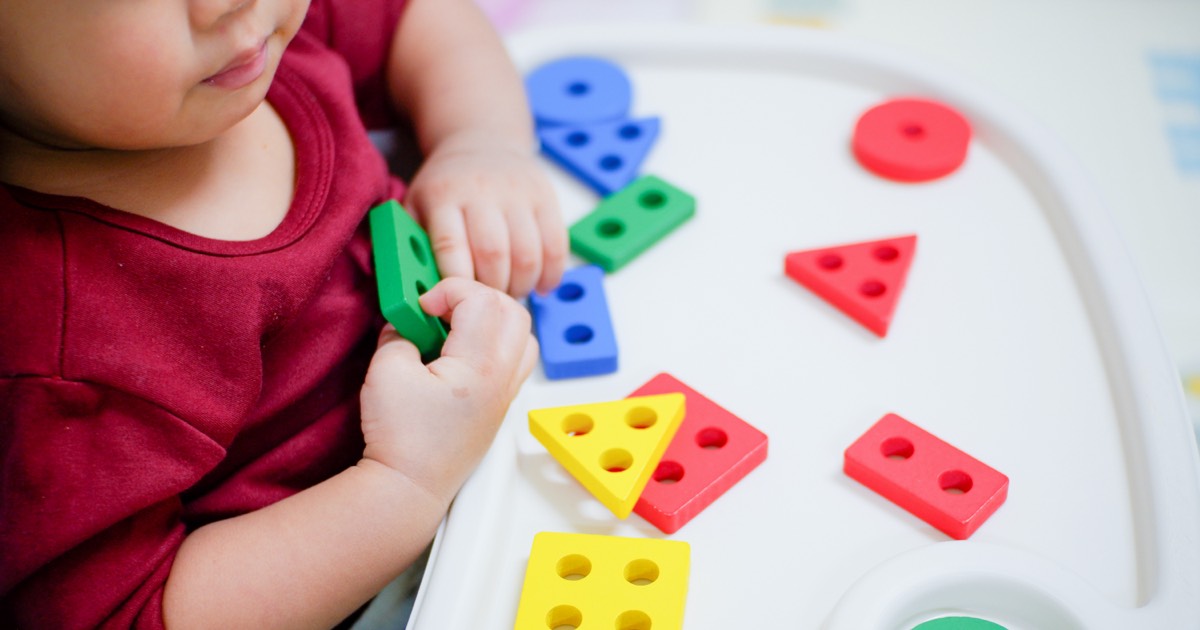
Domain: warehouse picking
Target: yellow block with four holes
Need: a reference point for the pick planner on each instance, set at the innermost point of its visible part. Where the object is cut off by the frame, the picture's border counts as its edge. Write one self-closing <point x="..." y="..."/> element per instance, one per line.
<point x="612" y="448"/>
<point x="593" y="582"/>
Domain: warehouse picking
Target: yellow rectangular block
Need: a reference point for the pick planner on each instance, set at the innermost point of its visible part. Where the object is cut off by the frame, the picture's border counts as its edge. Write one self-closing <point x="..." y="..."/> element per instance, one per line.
<point x="591" y="582"/>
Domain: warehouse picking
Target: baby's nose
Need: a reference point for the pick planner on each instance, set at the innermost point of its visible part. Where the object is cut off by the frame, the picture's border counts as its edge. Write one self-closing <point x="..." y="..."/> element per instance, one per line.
<point x="205" y="14"/>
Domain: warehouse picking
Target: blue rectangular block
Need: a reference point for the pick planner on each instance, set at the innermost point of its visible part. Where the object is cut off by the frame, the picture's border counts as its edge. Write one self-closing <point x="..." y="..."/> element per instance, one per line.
<point x="573" y="326"/>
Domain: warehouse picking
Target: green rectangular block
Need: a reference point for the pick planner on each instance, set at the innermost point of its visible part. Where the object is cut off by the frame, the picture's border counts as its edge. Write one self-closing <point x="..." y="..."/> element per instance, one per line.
<point x="628" y="222"/>
<point x="405" y="269"/>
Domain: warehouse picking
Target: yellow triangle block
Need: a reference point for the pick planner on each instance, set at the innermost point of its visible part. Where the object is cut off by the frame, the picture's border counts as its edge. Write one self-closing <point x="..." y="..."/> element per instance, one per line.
<point x="612" y="448"/>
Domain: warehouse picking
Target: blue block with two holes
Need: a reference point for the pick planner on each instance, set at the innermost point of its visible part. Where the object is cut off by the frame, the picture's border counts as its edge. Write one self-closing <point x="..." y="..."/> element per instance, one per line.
<point x="573" y="326"/>
<point x="578" y="90"/>
<point x="606" y="156"/>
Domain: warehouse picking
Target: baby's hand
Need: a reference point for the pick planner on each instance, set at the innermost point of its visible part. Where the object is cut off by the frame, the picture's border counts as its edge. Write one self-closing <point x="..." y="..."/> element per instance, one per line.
<point x="491" y="215"/>
<point x="433" y="423"/>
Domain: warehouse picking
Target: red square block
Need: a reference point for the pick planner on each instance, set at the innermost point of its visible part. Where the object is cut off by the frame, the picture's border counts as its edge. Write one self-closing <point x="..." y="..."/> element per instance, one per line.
<point x="914" y="469"/>
<point x="712" y="450"/>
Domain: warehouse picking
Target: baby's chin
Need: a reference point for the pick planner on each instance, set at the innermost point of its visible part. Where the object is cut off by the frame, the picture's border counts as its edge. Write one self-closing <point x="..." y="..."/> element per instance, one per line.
<point x="187" y="132"/>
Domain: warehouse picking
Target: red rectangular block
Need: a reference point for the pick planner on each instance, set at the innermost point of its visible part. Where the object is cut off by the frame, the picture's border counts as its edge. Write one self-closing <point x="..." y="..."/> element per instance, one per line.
<point x="712" y="450"/>
<point x="914" y="469"/>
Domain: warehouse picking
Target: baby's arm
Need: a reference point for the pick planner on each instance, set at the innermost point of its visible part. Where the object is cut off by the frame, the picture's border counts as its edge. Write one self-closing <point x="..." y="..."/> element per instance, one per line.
<point x="490" y="212"/>
<point x="312" y="559"/>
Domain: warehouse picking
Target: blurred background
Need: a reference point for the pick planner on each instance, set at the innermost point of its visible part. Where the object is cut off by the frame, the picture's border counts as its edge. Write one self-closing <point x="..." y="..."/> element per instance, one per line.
<point x="1118" y="81"/>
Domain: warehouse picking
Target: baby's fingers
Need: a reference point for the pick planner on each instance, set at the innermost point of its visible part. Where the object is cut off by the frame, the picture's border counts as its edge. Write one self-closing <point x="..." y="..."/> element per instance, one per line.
<point x="485" y="324"/>
<point x="526" y="253"/>
<point x="529" y="359"/>
<point x="396" y="361"/>
<point x="448" y="237"/>
<point x="391" y="347"/>
<point x="488" y="234"/>
<point x="446" y="296"/>
<point x="554" y="247"/>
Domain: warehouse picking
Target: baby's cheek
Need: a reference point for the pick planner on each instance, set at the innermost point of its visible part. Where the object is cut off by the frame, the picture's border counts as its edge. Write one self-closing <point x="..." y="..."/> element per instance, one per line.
<point x="127" y="100"/>
<point x="292" y="14"/>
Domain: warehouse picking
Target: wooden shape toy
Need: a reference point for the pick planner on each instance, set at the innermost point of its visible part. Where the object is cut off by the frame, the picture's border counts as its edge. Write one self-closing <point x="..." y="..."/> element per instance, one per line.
<point x="911" y="140"/>
<point x="578" y="90"/>
<point x="588" y="581"/>
<point x="712" y="450"/>
<point x="938" y="483"/>
<point x="405" y="269"/>
<point x="573" y="327"/>
<point x="610" y="447"/>
<point x="630" y="221"/>
<point x="864" y="280"/>
<point x="605" y="156"/>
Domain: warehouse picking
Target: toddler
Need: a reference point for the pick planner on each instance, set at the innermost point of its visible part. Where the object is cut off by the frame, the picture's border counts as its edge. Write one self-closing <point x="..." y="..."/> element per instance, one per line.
<point x="201" y="423"/>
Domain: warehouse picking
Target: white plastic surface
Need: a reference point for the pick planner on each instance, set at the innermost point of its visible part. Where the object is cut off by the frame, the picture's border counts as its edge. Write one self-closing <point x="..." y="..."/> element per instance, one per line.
<point x="1022" y="338"/>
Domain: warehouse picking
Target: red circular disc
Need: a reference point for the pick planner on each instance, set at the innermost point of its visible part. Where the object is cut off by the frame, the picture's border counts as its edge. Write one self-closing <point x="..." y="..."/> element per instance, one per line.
<point x="911" y="140"/>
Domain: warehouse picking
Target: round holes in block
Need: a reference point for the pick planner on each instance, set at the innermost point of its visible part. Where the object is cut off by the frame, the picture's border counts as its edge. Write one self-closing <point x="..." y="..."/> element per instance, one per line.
<point x="611" y="162"/>
<point x="955" y="482"/>
<point x="652" y="199"/>
<point x="577" y="424"/>
<point x="578" y="334"/>
<point x="564" y="618"/>
<point x="578" y="88"/>
<point x="885" y="253"/>
<point x="711" y="438"/>
<point x="912" y="131"/>
<point x="569" y="292"/>
<point x="633" y="620"/>
<point x="573" y="567"/>
<point x="610" y="228"/>
<point x="830" y="262"/>
<point x="872" y="288"/>
<point x="417" y="250"/>
<point x="641" y="417"/>
<point x="616" y="460"/>
<point x="578" y="139"/>
<point x="897" y="448"/>
<point x="668" y="472"/>
<point x="641" y="572"/>
<point x="421" y="290"/>
<point x="629" y="132"/>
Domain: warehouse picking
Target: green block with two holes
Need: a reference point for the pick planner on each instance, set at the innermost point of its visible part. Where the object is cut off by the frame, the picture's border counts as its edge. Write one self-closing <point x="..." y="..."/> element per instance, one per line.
<point x="405" y="269"/>
<point x="628" y="222"/>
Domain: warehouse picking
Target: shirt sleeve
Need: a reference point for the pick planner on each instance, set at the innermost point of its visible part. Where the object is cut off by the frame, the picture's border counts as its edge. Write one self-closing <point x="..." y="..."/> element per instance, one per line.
<point x="361" y="31"/>
<point x="90" y="514"/>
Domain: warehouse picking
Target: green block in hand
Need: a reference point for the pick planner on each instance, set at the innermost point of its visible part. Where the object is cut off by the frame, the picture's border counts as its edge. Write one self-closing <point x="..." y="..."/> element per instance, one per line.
<point x="631" y="220"/>
<point x="405" y="269"/>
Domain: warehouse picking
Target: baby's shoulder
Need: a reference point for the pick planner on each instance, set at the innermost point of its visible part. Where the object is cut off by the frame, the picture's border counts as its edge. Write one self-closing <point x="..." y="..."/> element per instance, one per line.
<point x="32" y="286"/>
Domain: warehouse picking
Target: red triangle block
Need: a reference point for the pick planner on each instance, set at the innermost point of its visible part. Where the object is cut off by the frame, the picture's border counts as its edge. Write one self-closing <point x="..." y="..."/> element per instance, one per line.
<point x="864" y="280"/>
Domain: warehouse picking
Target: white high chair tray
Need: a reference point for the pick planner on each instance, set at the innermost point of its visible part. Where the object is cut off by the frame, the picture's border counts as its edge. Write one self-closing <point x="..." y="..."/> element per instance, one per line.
<point x="1022" y="337"/>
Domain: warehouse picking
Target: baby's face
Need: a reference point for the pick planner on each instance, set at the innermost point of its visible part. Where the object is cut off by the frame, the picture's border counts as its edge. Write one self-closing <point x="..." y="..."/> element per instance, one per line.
<point x="138" y="74"/>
